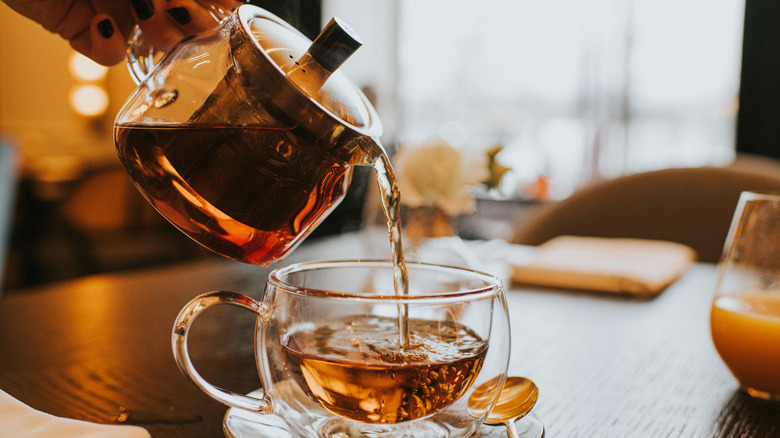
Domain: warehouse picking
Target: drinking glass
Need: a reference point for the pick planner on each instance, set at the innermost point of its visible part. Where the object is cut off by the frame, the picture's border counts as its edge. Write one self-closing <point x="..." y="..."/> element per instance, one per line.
<point x="745" y="315"/>
<point x="339" y="354"/>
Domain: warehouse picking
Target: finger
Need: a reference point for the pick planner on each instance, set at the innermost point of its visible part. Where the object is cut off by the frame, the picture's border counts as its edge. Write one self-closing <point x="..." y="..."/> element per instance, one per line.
<point x="190" y="17"/>
<point x="155" y="24"/>
<point x="108" y="43"/>
<point x="120" y="14"/>
<point x="100" y="41"/>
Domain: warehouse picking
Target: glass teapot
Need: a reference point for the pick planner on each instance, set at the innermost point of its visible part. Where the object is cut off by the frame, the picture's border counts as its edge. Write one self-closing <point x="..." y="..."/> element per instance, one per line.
<point x="244" y="137"/>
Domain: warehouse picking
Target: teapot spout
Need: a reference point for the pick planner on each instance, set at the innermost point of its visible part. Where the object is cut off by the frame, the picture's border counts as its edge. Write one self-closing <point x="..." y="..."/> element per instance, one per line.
<point x="363" y="151"/>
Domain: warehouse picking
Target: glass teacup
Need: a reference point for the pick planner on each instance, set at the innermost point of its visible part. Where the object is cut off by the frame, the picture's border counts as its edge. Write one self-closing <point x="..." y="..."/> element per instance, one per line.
<point x="745" y="317"/>
<point x="339" y="354"/>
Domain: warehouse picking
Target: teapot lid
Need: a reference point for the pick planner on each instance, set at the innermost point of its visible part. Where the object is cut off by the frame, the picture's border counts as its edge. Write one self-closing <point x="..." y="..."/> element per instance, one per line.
<point x="281" y="47"/>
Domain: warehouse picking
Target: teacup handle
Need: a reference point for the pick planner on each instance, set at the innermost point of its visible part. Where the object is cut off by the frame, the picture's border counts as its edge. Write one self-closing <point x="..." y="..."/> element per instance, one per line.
<point x="181" y="354"/>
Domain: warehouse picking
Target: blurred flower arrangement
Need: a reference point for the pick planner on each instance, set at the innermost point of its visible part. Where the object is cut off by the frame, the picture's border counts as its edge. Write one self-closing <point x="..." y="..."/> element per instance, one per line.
<point x="435" y="174"/>
<point x="436" y="181"/>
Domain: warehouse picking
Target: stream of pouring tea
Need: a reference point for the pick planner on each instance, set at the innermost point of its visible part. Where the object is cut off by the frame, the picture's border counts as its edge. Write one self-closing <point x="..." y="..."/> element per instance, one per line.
<point x="391" y="204"/>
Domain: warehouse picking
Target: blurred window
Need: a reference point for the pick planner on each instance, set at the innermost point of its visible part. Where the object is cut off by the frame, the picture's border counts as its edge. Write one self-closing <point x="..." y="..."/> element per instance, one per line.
<point x="573" y="90"/>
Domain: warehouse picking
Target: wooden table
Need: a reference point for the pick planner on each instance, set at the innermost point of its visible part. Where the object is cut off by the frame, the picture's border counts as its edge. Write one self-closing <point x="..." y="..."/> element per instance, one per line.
<point x="98" y="349"/>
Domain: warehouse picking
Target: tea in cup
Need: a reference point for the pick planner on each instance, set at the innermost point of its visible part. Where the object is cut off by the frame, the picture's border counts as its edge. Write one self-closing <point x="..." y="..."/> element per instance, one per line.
<point x="340" y="354"/>
<point x="745" y="316"/>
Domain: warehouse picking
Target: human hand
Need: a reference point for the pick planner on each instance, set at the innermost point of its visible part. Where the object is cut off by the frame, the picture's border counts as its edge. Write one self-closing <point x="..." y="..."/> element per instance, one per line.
<point x="99" y="28"/>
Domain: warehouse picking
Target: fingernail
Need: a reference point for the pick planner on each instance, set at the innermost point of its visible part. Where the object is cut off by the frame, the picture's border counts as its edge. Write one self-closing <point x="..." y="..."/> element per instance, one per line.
<point x="105" y="28"/>
<point x="143" y="8"/>
<point x="179" y="14"/>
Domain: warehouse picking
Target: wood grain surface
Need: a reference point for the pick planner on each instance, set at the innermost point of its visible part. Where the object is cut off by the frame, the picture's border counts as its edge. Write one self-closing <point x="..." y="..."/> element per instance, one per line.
<point x="98" y="349"/>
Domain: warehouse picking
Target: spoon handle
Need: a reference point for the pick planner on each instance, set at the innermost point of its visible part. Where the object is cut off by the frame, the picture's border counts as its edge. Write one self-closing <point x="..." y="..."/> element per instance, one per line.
<point x="511" y="432"/>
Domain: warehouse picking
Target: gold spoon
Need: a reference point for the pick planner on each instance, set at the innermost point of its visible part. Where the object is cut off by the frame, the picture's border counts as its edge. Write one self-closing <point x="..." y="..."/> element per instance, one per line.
<point x="518" y="396"/>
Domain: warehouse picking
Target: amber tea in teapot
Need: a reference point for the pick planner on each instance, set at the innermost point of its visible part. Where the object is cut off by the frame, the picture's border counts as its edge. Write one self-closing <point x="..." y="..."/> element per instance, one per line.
<point x="222" y="197"/>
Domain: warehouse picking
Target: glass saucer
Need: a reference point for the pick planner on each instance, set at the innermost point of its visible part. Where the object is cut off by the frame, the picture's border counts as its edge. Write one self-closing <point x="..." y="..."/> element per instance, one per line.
<point x="240" y="423"/>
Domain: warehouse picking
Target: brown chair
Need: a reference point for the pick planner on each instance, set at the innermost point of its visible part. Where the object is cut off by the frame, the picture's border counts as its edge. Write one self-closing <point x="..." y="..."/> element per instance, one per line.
<point x="693" y="206"/>
<point x="113" y="228"/>
<point x="86" y="218"/>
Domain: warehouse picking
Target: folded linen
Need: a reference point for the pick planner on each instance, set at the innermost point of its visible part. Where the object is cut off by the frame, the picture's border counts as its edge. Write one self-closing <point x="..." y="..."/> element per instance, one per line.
<point x="18" y="420"/>
<point x="637" y="267"/>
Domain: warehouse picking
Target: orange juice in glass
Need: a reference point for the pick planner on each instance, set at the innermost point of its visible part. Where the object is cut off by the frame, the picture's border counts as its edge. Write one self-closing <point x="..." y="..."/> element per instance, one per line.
<point x="745" y="315"/>
<point x="746" y="332"/>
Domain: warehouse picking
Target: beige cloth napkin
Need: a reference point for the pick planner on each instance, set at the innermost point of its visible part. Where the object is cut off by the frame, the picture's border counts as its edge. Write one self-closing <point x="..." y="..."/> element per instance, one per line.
<point x="638" y="267"/>
<point x="17" y="420"/>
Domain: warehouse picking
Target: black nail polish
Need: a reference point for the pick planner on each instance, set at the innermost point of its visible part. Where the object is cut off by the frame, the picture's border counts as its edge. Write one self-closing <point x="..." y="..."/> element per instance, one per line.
<point x="105" y="28"/>
<point x="179" y="14"/>
<point x="143" y="8"/>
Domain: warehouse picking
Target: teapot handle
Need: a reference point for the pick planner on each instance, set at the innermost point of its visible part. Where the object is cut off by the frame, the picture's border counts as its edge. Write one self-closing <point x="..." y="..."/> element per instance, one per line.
<point x="182" y="356"/>
<point x="141" y="56"/>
